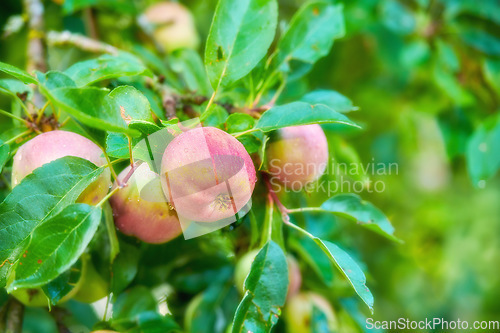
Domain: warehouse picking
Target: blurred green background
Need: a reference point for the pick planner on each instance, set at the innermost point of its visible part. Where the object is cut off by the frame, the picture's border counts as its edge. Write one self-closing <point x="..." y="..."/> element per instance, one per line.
<point x="425" y="75"/>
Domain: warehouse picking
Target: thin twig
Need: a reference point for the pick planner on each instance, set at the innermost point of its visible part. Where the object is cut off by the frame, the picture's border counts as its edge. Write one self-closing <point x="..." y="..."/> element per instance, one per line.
<point x="14" y="316"/>
<point x="56" y="38"/>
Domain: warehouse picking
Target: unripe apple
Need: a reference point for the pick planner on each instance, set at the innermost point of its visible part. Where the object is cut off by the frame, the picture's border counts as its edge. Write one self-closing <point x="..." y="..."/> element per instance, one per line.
<point x="50" y="146"/>
<point x="245" y="263"/>
<point x="151" y="222"/>
<point x="297" y="155"/>
<point x="92" y="286"/>
<point x="173" y="26"/>
<point x="207" y="175"/>
<point x="298" y="312"/>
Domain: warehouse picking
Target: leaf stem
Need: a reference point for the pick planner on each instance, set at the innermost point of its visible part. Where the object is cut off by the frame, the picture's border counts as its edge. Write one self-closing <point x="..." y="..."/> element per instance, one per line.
<point x="109" y="195"/>
<point x="237" y="135"/>
<point x="212" y="98"/>
<point x="305" y="209"/>
<point x="41" y="112"/>
<point x="8" y="114"/>
<point x="17" y="137"/>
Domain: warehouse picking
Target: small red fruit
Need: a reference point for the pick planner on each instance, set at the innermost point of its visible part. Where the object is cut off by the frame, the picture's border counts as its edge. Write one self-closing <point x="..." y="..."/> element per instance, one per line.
<point x="151" y="222"/>
<point x="297" y="155"/>
<point x="207" y="175"/>
<point x="50" y="146"/>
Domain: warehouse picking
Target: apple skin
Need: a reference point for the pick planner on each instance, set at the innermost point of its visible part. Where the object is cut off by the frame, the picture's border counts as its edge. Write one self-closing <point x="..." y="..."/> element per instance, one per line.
<point x="50" y="146"/>
<point x="298" y="312"/>
<point x="173" y="26"/>
<point x="245" y="263"/>
<point x="151" y="222"/>
<point x="207" y="175"/>
<point x="297" y="155"/>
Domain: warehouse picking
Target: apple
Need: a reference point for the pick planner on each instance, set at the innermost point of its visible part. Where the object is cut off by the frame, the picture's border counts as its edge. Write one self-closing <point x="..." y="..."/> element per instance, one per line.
<point x="151" y="222"/>
<point x="92" y="287"/>
<point x="207" y="175"/>
<point x="50" y="146"/>
<point x="245" y="263"/>
<point x="173" y="26"/>
<point x="297" y="155"/>
<point x="299" y="310"/>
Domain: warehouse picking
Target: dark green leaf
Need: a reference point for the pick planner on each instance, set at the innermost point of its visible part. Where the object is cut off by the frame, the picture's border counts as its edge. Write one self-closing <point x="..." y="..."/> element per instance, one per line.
<point x="56" y="244"/>
<point x="266" y="287"/>
<point x="481" y="40"/>
<point x="251" y="143"/>
<point x="299" y="113"/>
<point x="330" y="98"/>
<point x="124" y="267"/>
<point x="351" y="206"/>
<point x="483" y="152"/>
<point x="17" y="73"/>
<point x="63" y="284"/>
<point x="153" y="322"/>
<point x="131" y="303"/>
<point x="53" y="187"/>
<point x="105" y="67"/>
<point x="241" y="33"/>
<point x="311" y="34"/>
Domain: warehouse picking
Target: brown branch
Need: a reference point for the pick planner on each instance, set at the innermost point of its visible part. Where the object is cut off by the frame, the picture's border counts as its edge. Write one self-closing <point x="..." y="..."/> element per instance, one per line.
<point x="11" y="317"/>
<point x="35" y="50"/>
<point x="59" y="314"/>
<point x="56" y="38"/>
<point x="90" y="23"/>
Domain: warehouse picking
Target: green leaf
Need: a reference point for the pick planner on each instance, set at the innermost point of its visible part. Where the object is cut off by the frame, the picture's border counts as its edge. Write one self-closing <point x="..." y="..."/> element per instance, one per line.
<point x="397" y="17"/>
<point x="315" y="258"/>
<point x="124" y="268"/>
<point x="483" y="152"/>
<point x="311" y="34"/>
<point x="266" y="287"/>
<point x="251" y="143"/>
<point x="349" y="268"/>
<point x="4" y="154"/>
<point x="241" y="33"/>
<point x="133" y="104"/>
<point x="114" y="246"/>
<point x="53" y="187"/>
<point x="491" y="70"/>
<point x="105" y="67"/>
<point x="239" y="122"/>
<point x="215" y="116"/>
<point x="117" y="145"/>
<point x="100" y="108"/>
<point x="63" y="284"/>
<point x="299" y="113"/>
<point x="15" y="87"/>
<point x="55" y="79"/>
<point x="17" y="73"/>
<point x="333" y="99"/>
<point x="351" y="206"/>
<point x="481" y="40"/>
<point x="131" y="303"/>
<point x="56" y="245"/>
<point x="188" y="64"/>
